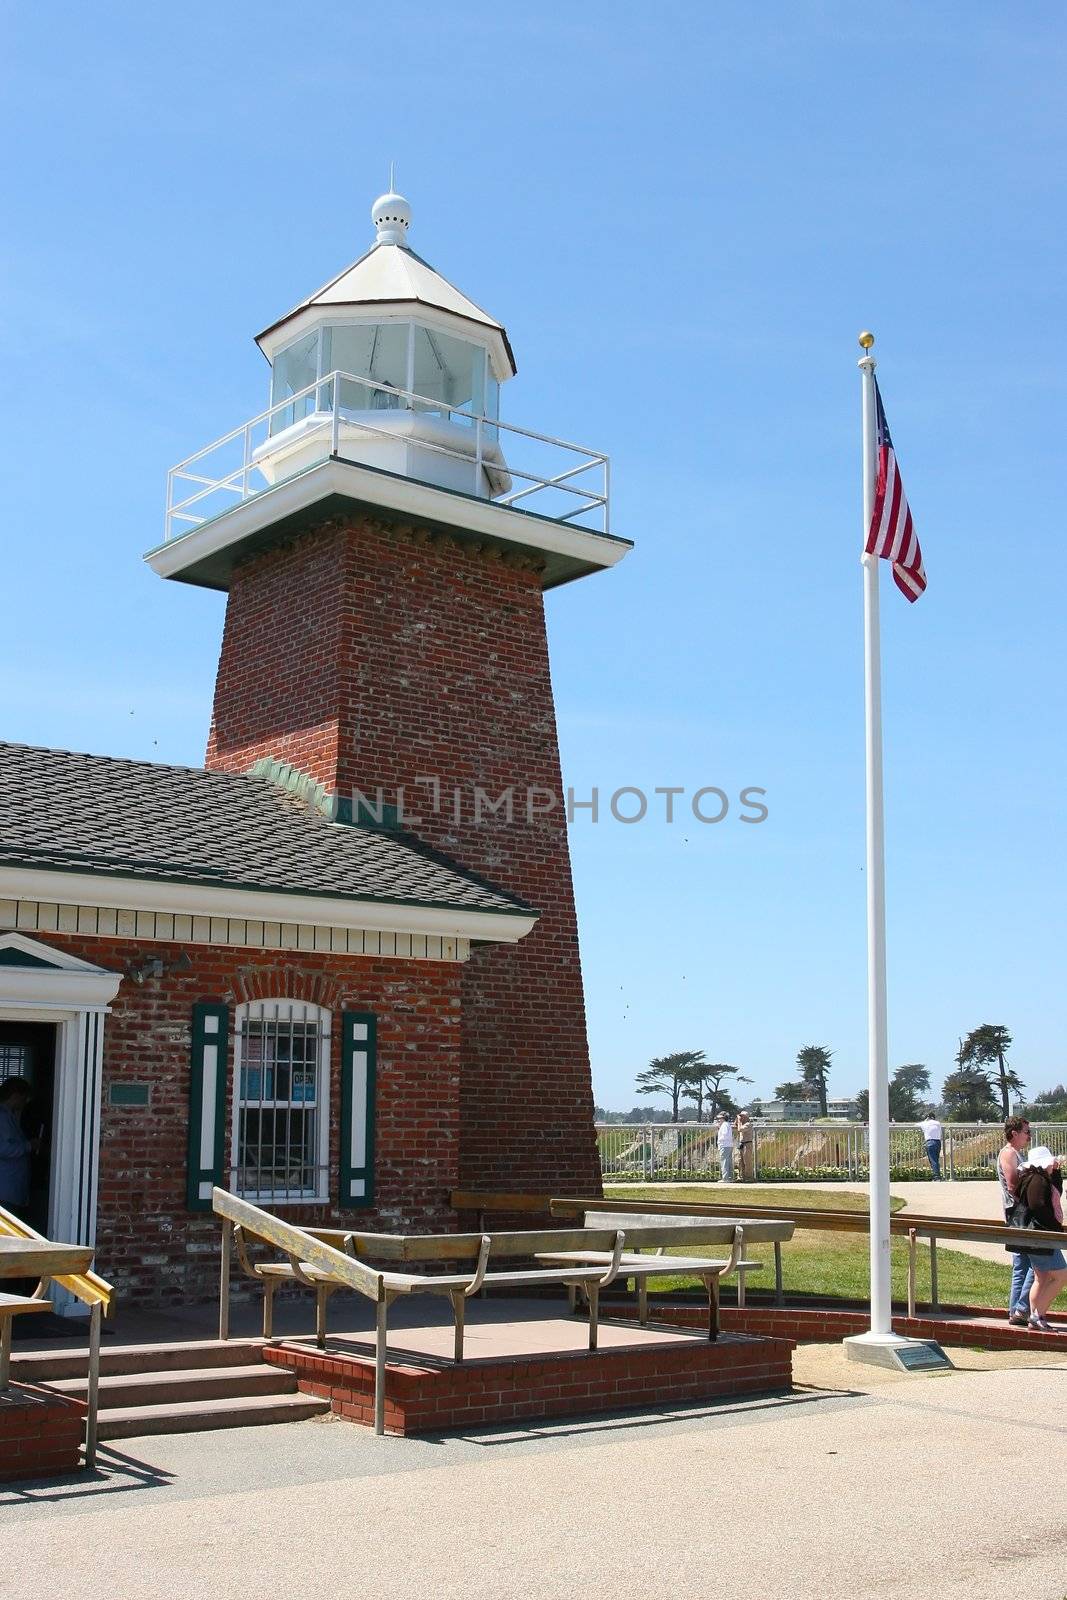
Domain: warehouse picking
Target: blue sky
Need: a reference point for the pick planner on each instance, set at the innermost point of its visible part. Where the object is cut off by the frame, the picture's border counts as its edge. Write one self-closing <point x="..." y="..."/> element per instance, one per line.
<point x="683" y="216"/>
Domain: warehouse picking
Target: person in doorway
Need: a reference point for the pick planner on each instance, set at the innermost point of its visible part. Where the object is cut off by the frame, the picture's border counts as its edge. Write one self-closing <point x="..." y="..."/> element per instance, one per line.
<point x="745" y="1135"/>
<point x="933" y="1135"/>
<point x="15" y="1147"/>
<point x="1037" y="1276"/>
<point x="724" y="1138"/>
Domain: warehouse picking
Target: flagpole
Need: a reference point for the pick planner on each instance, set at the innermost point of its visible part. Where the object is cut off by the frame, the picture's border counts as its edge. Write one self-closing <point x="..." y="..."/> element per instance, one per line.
<point x="879" y="1344"/>
<point x="877" y="1030"/>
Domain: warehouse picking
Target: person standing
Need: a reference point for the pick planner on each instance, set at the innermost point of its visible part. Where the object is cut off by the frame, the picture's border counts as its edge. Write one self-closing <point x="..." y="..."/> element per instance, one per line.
<point x="724" y="1137"/>
<point x="745" y="1135"/>
<point x="1037" y="1275"/>
<point x="15" y="1147"/>
<point x="933" y="1135"/>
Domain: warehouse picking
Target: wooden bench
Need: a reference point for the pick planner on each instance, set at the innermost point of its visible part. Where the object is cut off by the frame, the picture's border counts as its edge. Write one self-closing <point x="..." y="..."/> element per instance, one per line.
<point x="911" y="1225"/>
<point x="314" y="1259"/>
<point x="12" y="1306"/>
<point x="458" y="1286"/>
<point x="690" y="1230"/>
<point x="586" y="1258"/>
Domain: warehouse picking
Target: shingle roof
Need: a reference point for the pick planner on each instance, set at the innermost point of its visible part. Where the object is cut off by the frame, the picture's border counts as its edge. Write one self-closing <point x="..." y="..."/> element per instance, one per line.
<point x="103" y="815"/>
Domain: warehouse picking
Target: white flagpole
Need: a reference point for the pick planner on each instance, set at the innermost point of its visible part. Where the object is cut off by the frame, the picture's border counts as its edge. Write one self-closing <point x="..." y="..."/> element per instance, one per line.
<point x="877" y="1045"/>
<point x="879" y="1344"/>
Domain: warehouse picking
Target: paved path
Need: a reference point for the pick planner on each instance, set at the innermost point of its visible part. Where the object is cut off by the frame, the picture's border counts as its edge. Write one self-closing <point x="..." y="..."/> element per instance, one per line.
<point x="862" y="1485"/>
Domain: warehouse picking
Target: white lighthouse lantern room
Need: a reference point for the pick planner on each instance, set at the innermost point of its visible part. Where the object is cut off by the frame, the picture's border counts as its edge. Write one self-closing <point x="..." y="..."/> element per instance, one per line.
<point x="391" y="364"/>
<point x="385" y="398"/>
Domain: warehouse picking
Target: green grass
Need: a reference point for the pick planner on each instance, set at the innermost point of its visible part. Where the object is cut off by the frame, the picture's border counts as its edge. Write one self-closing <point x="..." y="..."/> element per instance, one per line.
<point x="837" y="1264"/>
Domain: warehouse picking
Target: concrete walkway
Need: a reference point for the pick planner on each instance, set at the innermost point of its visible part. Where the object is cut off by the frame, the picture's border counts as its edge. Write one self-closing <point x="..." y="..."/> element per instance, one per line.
<point x="861" y="1485"/>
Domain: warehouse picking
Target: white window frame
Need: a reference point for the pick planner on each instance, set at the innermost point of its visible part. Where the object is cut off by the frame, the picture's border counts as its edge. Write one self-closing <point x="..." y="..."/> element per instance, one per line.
<point x="285" y="1009"/>
<point x="369" y="319"/>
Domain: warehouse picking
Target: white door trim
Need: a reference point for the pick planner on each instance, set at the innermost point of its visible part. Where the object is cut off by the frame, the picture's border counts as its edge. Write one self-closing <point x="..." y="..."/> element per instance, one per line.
<point x="75" y="996"/>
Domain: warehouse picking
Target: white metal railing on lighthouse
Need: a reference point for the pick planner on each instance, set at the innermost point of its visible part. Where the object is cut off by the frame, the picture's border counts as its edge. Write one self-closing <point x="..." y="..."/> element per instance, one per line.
<point x="228" y="471"/>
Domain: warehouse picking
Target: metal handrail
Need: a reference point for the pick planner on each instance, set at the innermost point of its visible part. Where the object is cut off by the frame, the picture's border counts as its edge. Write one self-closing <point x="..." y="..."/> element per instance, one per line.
<point x="237" y="480"/>
<point x="98" y="1295"/>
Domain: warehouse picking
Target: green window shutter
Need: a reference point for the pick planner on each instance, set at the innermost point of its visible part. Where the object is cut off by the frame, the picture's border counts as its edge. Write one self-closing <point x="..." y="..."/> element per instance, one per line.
<point x="207" y="1103"/>
<point x="358" y="1076"/>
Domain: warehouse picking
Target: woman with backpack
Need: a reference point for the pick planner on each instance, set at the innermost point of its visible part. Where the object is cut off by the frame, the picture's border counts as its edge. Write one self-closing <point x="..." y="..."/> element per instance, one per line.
<point x="1037" y="1275"/>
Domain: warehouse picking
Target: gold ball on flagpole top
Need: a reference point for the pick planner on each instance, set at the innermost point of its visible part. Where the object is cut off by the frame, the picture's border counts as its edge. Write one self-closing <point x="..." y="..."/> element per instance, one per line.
<point x="866" y="339"/>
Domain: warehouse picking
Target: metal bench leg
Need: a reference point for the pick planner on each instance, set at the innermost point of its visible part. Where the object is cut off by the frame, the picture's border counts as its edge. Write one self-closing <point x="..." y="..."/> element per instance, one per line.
<point x="572" y="1298"/>
<point x="459" y="1309"/>
<point x="779" y="1289"/>
<point x="379" y="1365"/>
<point x="934" y="1303"/>
<point x="642" y="1301"/>
<point x="592" y="1291"/>
<point x="93" y="1392"/>
<point x="224" y="1282"/>
<point x="268" y="1308"/>
<point x="5" y="1353"/>
<point x="912" y="1263"/>
<point x="711" y="1284"/>
<point x="322" y="1292"/>
<point x="740" y="1289"/>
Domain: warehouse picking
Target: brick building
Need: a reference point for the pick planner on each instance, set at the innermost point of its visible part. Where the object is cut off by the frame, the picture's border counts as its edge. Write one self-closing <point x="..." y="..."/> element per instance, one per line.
<point x="336" y="969"/>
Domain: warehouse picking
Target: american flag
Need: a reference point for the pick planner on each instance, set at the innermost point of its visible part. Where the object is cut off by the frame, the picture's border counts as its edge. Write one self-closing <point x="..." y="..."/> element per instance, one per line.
<point x="892" y="534"/>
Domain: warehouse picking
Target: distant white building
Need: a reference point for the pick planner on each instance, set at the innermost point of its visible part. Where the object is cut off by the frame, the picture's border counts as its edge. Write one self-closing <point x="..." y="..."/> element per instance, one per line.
<point x="845" y="1110"/>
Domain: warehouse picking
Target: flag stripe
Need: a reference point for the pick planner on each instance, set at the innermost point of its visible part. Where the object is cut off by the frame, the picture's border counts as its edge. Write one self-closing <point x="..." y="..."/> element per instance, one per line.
<point x="892" y="532"/>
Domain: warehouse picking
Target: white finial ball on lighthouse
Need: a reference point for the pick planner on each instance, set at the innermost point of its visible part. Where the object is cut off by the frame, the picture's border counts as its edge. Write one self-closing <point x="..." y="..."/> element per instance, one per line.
<point x="391" y="215"/>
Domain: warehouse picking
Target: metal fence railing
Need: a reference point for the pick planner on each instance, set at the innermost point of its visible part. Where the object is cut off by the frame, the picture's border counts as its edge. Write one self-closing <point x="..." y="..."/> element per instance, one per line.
<point x="673" y="1152"/>
<point x="338" y="418"/>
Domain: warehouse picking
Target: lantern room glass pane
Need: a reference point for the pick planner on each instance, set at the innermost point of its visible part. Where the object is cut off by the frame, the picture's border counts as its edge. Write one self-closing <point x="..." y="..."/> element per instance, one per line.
<point x="450" y="372"/>
<point x="377" y="351"/>
<point x="294" y="368"/>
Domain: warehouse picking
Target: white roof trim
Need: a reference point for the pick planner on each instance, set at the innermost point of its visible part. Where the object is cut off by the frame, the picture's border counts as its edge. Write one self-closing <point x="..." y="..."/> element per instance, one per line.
<point x="58" y="960"/>
<point x="204" y="900"/>
<point x="65" y="984"/>
<point x="307" y="318"/>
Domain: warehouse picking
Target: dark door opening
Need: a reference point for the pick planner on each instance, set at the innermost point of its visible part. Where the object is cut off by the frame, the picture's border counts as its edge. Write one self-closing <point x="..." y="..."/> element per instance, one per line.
<point x="28" y="1050"/>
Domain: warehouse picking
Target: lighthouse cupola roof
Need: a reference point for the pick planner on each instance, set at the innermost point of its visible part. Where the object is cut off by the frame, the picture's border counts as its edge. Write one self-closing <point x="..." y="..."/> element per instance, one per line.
<point x="390" y="280"/>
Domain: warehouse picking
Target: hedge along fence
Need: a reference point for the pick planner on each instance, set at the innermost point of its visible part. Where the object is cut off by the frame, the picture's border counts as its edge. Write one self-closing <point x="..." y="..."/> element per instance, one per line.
<point x="814" y="1151"/>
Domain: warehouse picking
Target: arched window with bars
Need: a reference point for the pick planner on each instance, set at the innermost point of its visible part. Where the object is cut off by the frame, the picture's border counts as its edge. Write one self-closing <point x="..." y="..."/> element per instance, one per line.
<point x="281" y="1112"/>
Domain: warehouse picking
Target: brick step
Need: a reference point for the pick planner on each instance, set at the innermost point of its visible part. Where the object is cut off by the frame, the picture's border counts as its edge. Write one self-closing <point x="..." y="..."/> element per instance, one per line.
<point x="200" y="1416"/>
<point x="43" y="1366"/>
<point x="195" y="1383"/>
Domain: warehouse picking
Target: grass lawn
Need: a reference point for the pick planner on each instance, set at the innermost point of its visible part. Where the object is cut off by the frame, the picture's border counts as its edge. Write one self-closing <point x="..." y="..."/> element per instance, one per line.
<point x="837" y="1263"/>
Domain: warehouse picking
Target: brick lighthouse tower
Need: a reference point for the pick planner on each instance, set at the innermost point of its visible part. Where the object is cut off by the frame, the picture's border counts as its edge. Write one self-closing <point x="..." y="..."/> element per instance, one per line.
<point x="385" y="540"/>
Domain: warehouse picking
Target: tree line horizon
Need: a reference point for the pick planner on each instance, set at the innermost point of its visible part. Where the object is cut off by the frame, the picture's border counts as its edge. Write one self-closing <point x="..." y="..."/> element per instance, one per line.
<point x="978" y="1089"/>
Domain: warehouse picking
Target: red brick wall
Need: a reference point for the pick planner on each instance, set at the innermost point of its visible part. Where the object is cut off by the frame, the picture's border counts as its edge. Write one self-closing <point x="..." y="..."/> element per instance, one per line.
<point x="40" y="1433"/>
<point x="422" y="1399"/>
<point x="369" y="656"/>
<point x="148" y="1244"/>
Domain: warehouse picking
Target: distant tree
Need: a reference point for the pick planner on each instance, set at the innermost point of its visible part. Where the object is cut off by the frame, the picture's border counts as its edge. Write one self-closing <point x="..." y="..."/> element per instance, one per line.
<point x="814" y="1063"/>
<point x="909" y="1094"/>
<point x="988" y="1046"/>
<point x="714" y="1084"/>
<point x="1050" y="1105"/>
<point x="967" y="1096"/>
<point x="672" y="1074"/>
<point x="793" y="1091"/>
<point x="638" y="1114"/>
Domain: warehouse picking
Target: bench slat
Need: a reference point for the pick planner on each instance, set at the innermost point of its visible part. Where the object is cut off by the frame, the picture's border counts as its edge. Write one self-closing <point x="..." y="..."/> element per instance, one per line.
<point x="12" y="1304"/>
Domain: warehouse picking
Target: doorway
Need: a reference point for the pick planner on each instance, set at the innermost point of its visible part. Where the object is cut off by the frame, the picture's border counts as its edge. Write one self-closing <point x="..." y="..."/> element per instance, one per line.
<point x="28" y="1050"/>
